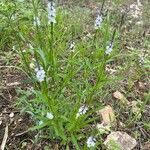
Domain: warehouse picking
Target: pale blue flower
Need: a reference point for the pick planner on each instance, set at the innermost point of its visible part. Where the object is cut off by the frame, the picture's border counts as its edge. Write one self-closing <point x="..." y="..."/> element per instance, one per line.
<point x="82" y="110"/>
<point x="51" y="12"/>
<point x="98" y="21"/>
<point x="91" y="141"/>
<point x="40" y="74"/>
<point x="49" y="115"/>
<point x="36" y="21"/>
<point x="109" y="48"/>
<point x="72" y="46"/>
<point x="40" y="122"/>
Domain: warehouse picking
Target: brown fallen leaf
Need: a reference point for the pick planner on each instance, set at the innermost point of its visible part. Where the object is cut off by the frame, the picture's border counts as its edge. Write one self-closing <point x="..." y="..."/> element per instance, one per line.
<point x="121" y="97"/>
<point x="120" y="140"/>
<point x="108" y="115"/>
<point x="56" y="147"/>
<point x="146" y="146"/>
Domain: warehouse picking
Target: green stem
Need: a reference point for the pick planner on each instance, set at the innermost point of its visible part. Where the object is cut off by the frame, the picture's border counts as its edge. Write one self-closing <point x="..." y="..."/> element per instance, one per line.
<point x="20" y="49"/>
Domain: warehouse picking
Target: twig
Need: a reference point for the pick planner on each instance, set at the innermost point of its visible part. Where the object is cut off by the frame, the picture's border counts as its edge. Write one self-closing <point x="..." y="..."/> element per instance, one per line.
<point x="10" y="112"/>
<point x="22" y="133"/>
<point x="4" y="138"/>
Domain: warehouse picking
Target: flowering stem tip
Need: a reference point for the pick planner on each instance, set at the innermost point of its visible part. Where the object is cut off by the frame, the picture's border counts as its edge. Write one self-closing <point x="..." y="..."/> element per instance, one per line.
<point x="51" y="12"/>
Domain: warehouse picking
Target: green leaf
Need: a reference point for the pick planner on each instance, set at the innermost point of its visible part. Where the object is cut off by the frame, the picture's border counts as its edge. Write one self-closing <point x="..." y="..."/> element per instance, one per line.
<point x="38" y="127"/>
<point x="147" y="126"/>
<point x="74" y="141"/>
<point x="42" y="55"/>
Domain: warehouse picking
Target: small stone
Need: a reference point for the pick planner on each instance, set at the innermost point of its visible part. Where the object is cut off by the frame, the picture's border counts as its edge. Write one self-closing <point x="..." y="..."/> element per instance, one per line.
<point x="108" y="115"/>
<point x="120" y="140"/>
<point x="19" y="120"/>
<point x="0" y="122"/>
<point x="11" y="115"/>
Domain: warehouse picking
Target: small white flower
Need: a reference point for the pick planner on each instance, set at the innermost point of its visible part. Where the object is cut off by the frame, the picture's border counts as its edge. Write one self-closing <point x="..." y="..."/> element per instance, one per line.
<point x="36" y="21"/>
<point x="37" y="69"/>
<point x="98" y="21"/>
<point x="24" y="51"/>
<point x="49" y="115"/>
<point x="14" y="48"/>
<point x="40" y="74"/>
<point x="139" y="3"/>
<point x="72" y="46"/>
<point x="51" y="12"/>
<point x="82" y="110"/>
<point x="91" y="141"/>
<point x="40" y="122"/>
<point x="32" y="65"/>
<point x="31" y="89"/>
<point x="141" y="60"/>
<point x="13" y="17"/>
<point x="139" y="23"/>
<point x="89" y="35"/>
<point x="109" y="48"/>
<point x="30" y="46"/>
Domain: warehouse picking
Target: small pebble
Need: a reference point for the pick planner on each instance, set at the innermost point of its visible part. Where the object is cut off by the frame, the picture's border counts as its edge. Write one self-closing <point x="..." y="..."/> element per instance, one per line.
<point x="20" y="120"/>
<point x="11" y="115"/>
<point x="0" y="122"/>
